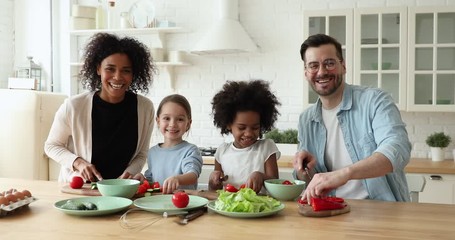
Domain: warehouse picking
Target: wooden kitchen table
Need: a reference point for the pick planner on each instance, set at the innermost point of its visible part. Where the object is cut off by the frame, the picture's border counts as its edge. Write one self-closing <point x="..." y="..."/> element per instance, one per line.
<point x="367" y="220"/>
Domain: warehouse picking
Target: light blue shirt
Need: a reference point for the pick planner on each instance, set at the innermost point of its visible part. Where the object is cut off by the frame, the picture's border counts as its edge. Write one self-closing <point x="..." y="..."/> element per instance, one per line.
<point x="179" y="159"/>
<point x="370" y="122"/>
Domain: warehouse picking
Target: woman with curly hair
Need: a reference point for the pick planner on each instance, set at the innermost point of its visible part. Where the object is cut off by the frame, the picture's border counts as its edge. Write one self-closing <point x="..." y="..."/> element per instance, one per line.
<point x="105" y="132"/>
<point x="245" y="109"/>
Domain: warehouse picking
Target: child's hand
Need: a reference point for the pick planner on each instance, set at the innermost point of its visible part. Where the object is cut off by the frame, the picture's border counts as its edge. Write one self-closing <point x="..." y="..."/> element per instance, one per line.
<point x="170" y="185"/>
<point x="255" y="181"/>
<point x="215" y="180"/>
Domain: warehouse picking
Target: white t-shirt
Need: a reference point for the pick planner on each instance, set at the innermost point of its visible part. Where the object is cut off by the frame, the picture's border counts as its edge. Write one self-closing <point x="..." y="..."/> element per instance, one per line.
<point x="239" y="163"/>
<point x="337" y="156"/>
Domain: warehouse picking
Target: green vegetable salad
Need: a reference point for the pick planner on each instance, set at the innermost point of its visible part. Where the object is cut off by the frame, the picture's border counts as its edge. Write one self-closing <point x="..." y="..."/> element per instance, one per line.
<point x="245" y="200"/>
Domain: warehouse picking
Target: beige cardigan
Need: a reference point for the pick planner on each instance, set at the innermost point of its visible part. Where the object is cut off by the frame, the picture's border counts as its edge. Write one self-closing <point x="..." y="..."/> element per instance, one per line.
<point x="70" y="136"/>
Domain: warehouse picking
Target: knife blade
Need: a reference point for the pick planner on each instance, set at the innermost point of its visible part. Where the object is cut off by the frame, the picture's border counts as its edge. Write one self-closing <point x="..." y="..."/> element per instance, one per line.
<point x="308" y="173"/>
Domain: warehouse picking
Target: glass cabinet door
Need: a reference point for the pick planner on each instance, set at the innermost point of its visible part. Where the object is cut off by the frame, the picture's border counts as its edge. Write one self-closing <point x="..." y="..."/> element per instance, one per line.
<point x="338" y="24"/>
<point x="432" y="59"/>
<point x="380" y="50"/>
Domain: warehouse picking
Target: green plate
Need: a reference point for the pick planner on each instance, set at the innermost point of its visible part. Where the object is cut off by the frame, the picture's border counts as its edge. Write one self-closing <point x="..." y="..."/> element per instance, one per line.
<point x="106" y="205"/>
<point x="163" y="203"/>
<point x="211" y="206"/>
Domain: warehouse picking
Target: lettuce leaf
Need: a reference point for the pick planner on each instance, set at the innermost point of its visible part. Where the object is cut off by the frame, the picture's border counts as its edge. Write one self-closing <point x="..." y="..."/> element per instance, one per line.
<point x="245" y="200"/>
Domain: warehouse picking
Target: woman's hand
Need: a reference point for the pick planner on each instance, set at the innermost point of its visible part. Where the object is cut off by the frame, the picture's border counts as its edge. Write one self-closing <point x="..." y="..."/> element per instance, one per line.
<point x="87" y="170"/>
<point x="255" y="181"/>
<point x="137" y="176"/>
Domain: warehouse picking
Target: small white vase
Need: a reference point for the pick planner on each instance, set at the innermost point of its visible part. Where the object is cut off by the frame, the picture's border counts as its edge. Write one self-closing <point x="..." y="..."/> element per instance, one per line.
<point x="437" y="154"/>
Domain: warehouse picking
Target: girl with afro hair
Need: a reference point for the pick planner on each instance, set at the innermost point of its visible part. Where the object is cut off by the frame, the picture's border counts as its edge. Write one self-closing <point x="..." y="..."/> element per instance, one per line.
<point x="245" y="109"/>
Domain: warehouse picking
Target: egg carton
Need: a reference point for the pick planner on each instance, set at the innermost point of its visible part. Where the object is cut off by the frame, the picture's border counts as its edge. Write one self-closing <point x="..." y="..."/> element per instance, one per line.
<point x="15" y="206"/>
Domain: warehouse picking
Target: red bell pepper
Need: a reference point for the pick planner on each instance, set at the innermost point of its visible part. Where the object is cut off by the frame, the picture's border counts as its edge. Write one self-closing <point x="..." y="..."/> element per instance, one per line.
<point x="321" y="204"/>
<point x="335" y="199"/>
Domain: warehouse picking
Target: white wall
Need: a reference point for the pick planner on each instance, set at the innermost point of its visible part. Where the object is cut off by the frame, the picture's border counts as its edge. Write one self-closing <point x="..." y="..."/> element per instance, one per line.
<point x="7" y="41"/>
<point x="24" y="31"/>
<point x="33" y="35"/>
<point x="276" y="26"/>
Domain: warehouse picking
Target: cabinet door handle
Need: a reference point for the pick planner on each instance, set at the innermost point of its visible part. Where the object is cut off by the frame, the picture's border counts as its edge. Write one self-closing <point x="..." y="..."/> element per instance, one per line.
<point x="435" y="177"/>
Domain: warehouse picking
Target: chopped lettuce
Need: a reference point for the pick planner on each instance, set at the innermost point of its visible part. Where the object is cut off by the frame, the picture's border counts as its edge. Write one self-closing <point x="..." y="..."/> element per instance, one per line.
<point x="245" y="200"/>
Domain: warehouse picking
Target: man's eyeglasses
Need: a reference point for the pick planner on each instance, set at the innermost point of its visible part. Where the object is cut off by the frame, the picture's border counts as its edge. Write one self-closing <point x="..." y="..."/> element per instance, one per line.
<point x="328" y="64"/>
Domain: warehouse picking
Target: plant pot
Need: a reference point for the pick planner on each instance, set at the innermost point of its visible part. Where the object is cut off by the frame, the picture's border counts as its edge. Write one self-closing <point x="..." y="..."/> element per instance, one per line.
<point x="437" y="154"/>
<point x="287" y="149"/>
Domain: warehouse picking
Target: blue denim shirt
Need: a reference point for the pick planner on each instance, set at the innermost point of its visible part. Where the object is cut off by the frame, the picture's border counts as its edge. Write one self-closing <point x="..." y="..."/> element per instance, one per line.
<point x="370" y="122"/>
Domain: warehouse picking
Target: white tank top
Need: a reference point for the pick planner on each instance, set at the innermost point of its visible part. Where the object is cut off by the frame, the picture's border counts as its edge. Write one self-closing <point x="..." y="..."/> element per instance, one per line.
<point x="337" y="156"/>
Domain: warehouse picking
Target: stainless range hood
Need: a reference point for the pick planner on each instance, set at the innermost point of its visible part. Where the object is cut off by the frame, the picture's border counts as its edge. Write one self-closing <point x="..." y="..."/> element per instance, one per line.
<point x="227" y="35"/>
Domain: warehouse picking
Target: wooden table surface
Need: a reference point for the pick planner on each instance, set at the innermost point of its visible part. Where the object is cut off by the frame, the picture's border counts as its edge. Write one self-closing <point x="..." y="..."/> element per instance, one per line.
<point x="367" y="220"/>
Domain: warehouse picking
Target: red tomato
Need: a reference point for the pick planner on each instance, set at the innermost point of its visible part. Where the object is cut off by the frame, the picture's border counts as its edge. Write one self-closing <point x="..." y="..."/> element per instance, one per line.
<point x="243" y="186"/>
<point x="156" y="185"/>
<point x="180" y="199"/>
<point x="286" y="182"/>
<point x="230" y="188"/>
<point x="77" y="182"/>
<point x="142" y="189"/>
<point x="146" y="184"/>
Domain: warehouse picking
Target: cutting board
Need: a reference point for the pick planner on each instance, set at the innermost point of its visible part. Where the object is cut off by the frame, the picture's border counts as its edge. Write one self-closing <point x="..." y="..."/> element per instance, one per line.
<point x="307" y="211"/>
<point x="85" y="190"/>
<point x="210" y="195"/>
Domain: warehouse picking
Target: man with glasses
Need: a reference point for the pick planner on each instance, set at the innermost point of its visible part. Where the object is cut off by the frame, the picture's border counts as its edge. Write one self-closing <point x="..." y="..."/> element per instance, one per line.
<point x="353" y="141"/>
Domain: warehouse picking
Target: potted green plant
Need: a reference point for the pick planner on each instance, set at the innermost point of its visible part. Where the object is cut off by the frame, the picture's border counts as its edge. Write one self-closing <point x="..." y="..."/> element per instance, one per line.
<point x="437" y="142"/>
<point x="286" y="140"/>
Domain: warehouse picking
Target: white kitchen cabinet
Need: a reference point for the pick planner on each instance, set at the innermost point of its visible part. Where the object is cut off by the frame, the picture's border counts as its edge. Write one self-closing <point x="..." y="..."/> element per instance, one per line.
<point x="439" y="188"/>
<point x="338" y="24"/>
<point x="408" y="52"/>
<point x="380" y="37"/>
<point x="431" y="59"/>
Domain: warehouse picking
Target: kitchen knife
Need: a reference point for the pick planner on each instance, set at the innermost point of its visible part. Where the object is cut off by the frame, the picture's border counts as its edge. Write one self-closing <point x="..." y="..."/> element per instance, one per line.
<point x="184" y="219"/>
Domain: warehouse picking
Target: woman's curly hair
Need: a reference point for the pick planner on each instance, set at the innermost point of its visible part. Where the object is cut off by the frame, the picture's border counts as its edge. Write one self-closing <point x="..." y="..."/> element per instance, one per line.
<point x="102" y="45"/>
<point x="240" y="96"/>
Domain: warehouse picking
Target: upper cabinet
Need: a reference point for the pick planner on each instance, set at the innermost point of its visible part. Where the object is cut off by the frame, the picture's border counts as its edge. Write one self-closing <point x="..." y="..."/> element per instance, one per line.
<point x="431" y="62"/>
<point x="408" y="52"/>
<point x="380" y="38"/>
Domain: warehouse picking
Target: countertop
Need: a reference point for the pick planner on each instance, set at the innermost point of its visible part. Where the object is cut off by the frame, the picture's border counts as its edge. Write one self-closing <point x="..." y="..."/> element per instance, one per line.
<point x="416" y="165"/>
<point x="368" y="219"/>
